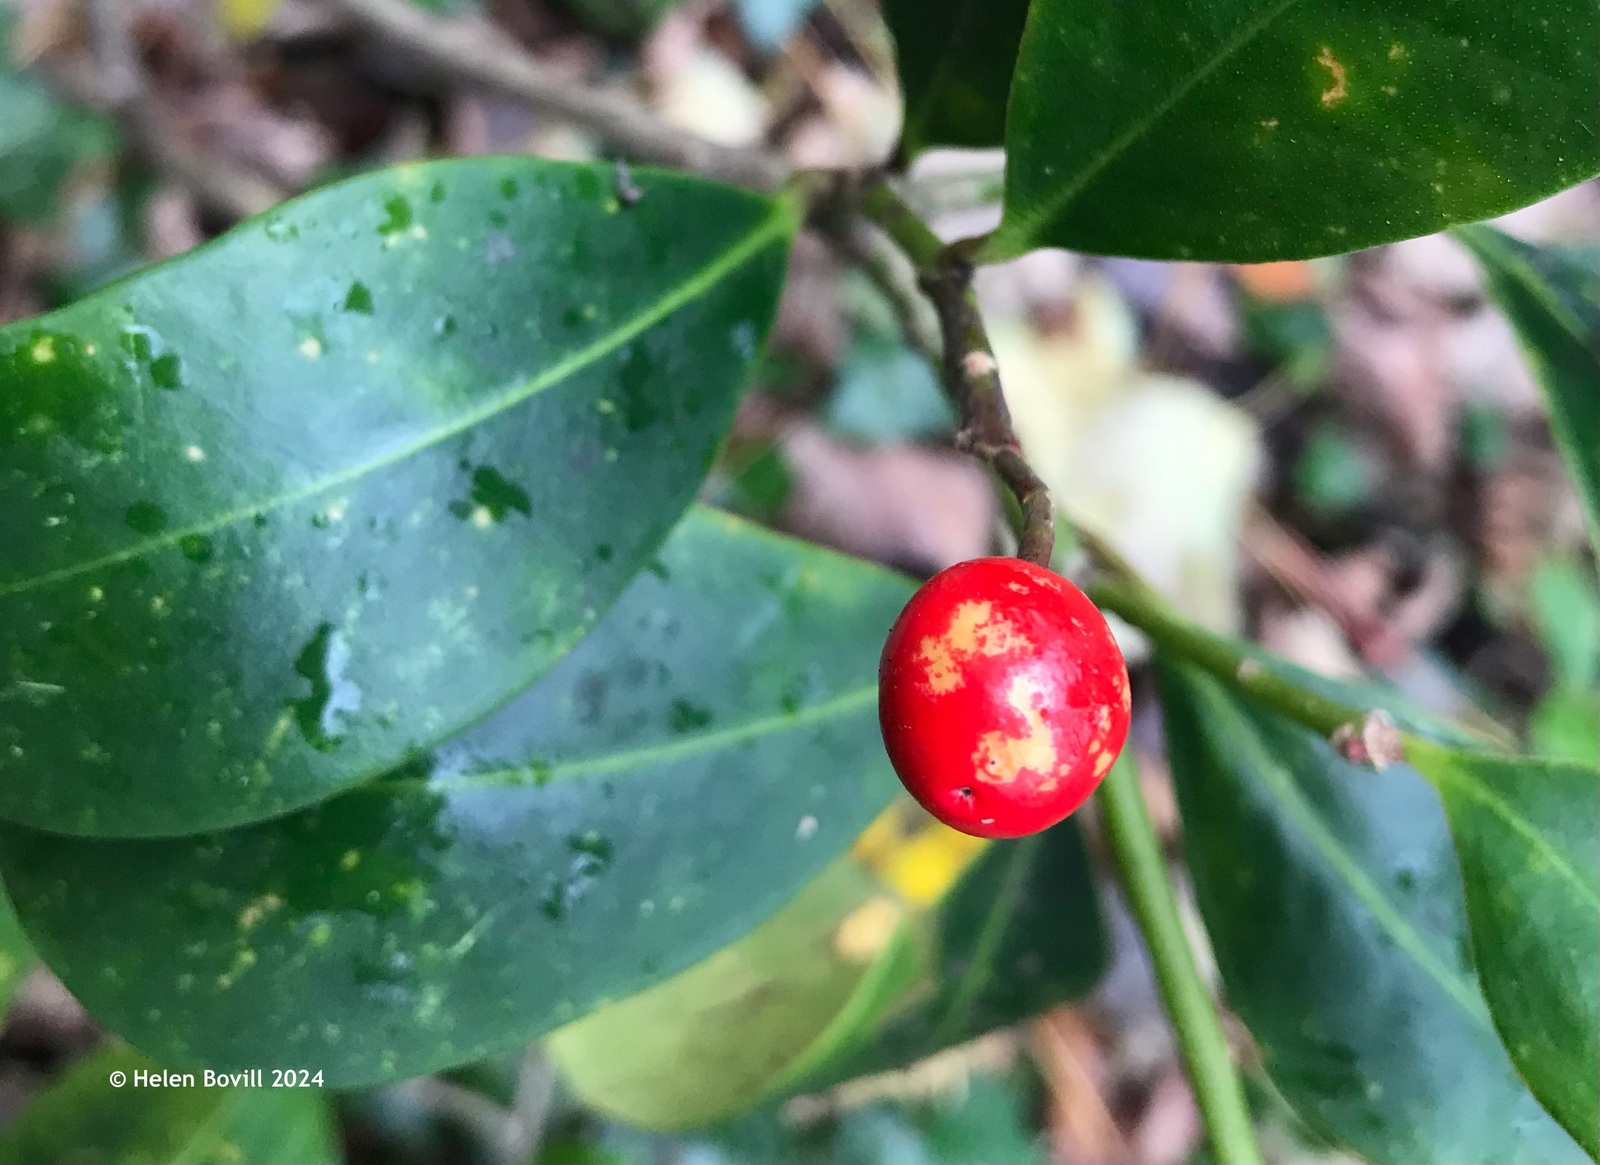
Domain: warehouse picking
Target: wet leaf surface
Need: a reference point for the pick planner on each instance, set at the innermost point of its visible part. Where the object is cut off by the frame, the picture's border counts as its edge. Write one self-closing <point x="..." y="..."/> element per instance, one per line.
<point x="1256" y="130"/>
<point x="1525" y="830"/>
<point x="1334" y="904"/>
<point x="697" y="759"/>
<point x="288" y="509"/>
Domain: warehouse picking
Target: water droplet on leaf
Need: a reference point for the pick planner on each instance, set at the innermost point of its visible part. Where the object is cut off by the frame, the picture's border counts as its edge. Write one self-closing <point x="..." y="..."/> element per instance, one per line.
<point x="494" y="495"/>
<point x="686" y="717"/>
<point x="397" y="217"/>
<point x="196" y="548"/>
<point x="152" y="356"/>
<point x="322" y="714"/>
<point x="358" y="299"/>
<point x="145" y="518"/>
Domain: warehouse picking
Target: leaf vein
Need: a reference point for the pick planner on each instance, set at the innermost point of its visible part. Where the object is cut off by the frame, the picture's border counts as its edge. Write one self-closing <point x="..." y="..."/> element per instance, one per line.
<point x="1026" y="225"/>
<point x="686" y="748"/>
<point x="717" y="268"/>
<point x="1281" y="784"/>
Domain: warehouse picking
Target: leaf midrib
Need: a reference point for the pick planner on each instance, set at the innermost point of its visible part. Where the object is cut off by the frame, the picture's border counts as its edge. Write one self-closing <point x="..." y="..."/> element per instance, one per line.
<point x="723" y="264"/>
<point x="698" y="744"/>
<point x="1024" y="226"/>
<point x="1288" y="794"/>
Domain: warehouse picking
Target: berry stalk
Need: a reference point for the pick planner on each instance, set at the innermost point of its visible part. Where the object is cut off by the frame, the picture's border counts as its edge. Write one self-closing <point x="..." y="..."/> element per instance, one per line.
<point x="1142" y="869"/>
<point x="971" y="374"/>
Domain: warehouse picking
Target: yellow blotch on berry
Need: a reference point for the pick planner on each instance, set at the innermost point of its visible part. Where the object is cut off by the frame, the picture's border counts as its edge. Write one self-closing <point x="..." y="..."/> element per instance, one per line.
<point x="974" y="631"/>
<point x="1001" y="757"/>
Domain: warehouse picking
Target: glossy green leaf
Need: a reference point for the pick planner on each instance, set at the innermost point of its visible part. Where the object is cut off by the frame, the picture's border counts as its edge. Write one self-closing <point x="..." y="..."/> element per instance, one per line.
<point x="1525" y="831"/>
<point x="1551" y="295"/>
<point x="1333" y="902"/>
<point x="1251" y="130"/>
<point x="955" y="59"/>
<point x="84" y="1117"/>
<point x="850" y="979"/>
<point x="699" y="757"/>
<point x="283" y="511"/>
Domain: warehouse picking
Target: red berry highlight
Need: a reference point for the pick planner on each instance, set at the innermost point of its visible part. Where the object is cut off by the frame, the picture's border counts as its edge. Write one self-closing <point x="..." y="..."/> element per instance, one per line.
<point x="1003" y="697"/>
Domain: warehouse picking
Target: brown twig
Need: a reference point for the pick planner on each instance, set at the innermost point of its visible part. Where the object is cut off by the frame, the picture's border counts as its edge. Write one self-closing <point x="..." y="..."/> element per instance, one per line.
<point x="1300" y="570"/>
<point x="971" y="374"/>
<point x="236" y="192"/>
<point x="1079" y="1124"/>
<point x="117" y="83"/>
<point x="886" y="267"/>
<point x="467" y="51"/>
<point x="530" y="1109"/>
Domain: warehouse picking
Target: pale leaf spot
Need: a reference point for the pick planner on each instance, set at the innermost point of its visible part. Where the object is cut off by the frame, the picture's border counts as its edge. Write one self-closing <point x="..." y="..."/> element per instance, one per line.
<point x="1336" y="92"/>
<point x="867" y="929"/>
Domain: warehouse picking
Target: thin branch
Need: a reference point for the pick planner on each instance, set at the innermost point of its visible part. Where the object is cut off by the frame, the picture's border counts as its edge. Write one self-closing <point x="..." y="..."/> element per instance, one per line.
<point x="117" y="83"/>
<point x="1142" y="868"/>
<point x="469" y="51"/>
<point x="530" y="1111"/>
<point x="482" y="1116"/>
<point x="1304" y="573"/>
<point x="1225" y="659"/>
<point x="971" y="374"/>
<point x="885" y="266"/>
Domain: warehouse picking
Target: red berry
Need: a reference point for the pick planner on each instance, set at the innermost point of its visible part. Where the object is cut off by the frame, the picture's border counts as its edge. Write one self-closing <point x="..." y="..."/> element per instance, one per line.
<point x="1003" y="697"/>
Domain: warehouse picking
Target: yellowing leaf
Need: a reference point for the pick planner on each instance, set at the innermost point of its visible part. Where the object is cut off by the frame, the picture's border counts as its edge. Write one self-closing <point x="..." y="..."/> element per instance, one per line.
<point x="246" y="19"/>
<point x="916" y="855"/>
<point x="715" y="1039"/>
